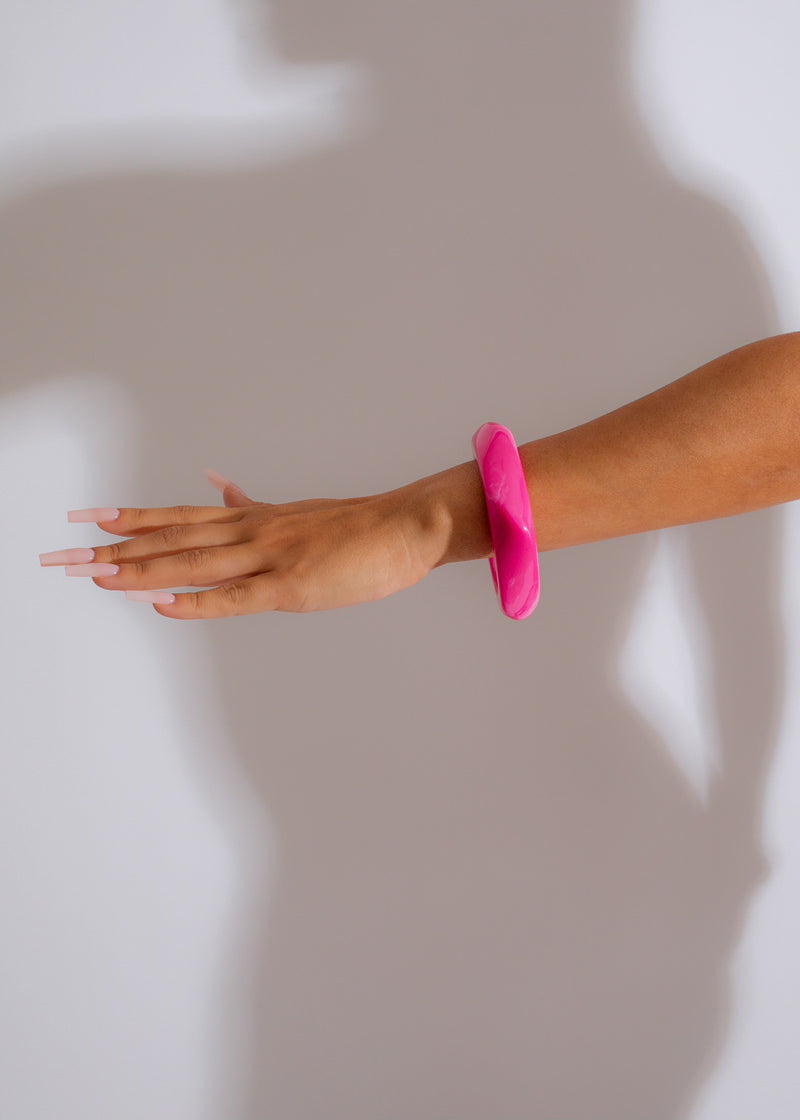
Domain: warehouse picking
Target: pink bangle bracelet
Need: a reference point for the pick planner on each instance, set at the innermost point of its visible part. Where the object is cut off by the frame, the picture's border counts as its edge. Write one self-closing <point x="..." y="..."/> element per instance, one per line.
<point x="515" y="564"/>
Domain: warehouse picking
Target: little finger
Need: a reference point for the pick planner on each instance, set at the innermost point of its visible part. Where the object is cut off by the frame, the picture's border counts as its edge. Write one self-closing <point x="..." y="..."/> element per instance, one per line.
<point x="248" y="596"/>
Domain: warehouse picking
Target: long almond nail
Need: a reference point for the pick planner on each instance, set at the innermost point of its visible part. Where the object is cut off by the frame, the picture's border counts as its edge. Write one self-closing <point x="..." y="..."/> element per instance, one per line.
<point x="92" y="569"/>
<point x="150" y="596"/>
<point x="101" y="513"/>
<point x="67" y="556"/>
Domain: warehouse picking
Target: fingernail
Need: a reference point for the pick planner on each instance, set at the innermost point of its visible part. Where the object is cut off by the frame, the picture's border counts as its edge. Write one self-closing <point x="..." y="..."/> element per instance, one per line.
<point x="92" y="569"/>
<point x="218" y="480"/>
<point x="67" y="556"/>
<point x="101" y="513"/>
<point x="150" y="596"/>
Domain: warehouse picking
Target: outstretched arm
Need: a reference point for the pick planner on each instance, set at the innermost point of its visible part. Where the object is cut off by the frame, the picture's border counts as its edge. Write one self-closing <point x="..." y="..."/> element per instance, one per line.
<point x="723" y="440"/>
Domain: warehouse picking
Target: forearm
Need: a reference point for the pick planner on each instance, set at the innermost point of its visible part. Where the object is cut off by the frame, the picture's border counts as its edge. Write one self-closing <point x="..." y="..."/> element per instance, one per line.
<point x="723" y="440"/>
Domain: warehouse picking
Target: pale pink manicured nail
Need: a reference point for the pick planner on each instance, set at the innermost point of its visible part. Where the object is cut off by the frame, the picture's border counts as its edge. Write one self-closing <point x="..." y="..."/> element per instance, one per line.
<point x="102" y="513"/>
<point x="92" y="569"/>
<point x="218" y="480"/>
<point x="67" y="556"/>
<point x="150" y="596"/>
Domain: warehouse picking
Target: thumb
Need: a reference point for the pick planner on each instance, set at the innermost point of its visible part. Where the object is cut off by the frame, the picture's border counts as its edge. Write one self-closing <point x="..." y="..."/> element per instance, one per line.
<point x="232" y="494"/>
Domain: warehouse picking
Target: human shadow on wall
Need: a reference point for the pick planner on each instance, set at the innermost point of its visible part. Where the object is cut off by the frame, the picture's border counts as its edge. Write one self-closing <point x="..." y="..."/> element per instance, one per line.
<point x="496" y="895"/>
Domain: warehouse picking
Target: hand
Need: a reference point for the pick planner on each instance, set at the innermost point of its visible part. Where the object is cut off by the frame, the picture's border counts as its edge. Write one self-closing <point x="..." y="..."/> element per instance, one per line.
<point x="255" y="556"/>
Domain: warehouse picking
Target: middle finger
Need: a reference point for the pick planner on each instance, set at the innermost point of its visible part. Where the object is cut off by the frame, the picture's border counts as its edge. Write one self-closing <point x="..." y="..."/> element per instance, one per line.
<point x="170" y="540"/>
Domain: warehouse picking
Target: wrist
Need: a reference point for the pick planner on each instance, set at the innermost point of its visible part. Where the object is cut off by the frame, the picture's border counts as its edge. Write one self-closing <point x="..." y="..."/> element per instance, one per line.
<point x="448" y="514"/>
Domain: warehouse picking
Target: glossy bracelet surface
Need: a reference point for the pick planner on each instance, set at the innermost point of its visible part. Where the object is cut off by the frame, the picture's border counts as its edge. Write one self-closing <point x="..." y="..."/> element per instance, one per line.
<point x="515" y="564"/>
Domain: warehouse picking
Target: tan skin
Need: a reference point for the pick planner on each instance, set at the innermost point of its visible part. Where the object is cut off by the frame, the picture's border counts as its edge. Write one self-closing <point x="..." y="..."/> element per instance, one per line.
<point x="723" y="440"/>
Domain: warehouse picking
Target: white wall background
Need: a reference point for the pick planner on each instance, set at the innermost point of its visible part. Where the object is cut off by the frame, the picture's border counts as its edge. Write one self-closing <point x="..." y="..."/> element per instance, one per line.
<point x="718" y="87"/>
<point x="139" y="853"/>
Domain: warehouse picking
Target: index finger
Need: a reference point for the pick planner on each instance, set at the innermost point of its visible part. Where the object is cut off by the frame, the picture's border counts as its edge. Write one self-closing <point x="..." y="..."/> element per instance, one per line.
<point x="132" y="521"/>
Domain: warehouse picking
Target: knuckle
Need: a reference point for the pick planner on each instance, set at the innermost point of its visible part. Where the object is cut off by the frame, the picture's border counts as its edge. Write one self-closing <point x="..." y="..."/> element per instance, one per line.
<point x="111" y="553"/>
<point x="235" y="594"/>
<point x="134" y="517"/>
<point x="191" y="601"/>
<point x="183" y="513"/>
<point x="136" y="568"/>
<point x="172" y="535"/>
<point x="289" y="594"/>
<point x="195" y="559"/>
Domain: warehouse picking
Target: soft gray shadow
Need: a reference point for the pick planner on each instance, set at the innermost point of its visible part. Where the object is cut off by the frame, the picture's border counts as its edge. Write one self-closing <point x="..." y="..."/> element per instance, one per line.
<point x="496" y="895"/>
